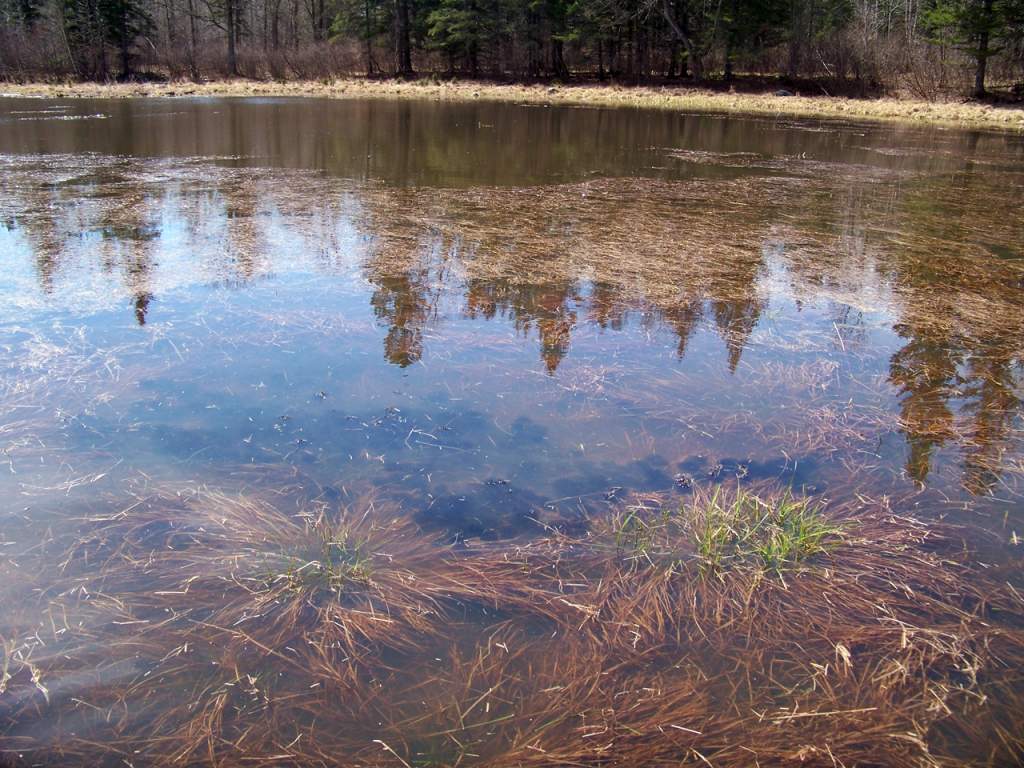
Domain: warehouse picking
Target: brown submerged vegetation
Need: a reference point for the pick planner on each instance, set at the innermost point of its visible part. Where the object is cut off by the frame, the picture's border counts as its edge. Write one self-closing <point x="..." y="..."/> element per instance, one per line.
<point x="739" y="629"/>
<point x="744" y="628"/>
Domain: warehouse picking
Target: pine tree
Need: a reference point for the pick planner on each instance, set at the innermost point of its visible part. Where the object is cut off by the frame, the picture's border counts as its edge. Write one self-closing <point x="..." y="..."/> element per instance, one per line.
<point x="980" y="28"/>
<point x="363" y="20"/>
<point x="461" y="30"/>
<point x="123" y="22"/>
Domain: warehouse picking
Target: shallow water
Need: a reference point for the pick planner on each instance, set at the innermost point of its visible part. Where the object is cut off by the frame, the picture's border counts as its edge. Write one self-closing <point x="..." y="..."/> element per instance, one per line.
<point x="495" y="317"/>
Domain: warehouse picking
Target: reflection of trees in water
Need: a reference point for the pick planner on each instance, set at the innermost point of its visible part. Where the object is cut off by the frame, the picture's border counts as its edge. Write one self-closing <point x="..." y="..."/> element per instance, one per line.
<point x="956" y="390"/>
<point x="656" y="262"/>
<point x="101" y="218"/>
<point x="548" y="305"/>
<point x="676" y="256"/>
<point x="964" y="323"/>
<point x="960" y="313"/>
<point x="611" y="249"/>
<point x="406" y="300"/>
<point x="993" y="380"/>
<point x="402" y="304"/>
<point x="242" y="229"/>
<point x="118" y="218"/>
<point x="736" y="320"/>
<point x="549" y="308"/>
<point x="684" y="318"/>
<point x="46" y="222"/>
<point x="128" y="235"/>
<point x="925" y="372"/>
<point x="604" y="308"/>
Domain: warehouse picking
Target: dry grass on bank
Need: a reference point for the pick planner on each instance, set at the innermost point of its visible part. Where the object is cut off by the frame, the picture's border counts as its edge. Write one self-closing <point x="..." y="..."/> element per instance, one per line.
<point x="948" y="114"/>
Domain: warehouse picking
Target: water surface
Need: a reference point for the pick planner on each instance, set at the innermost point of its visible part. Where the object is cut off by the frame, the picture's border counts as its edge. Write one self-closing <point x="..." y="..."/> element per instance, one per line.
<point x="495" y="317"/>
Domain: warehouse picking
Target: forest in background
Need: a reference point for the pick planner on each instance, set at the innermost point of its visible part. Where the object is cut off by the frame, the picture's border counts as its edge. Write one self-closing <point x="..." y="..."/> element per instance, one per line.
<point x="923" y="48"/>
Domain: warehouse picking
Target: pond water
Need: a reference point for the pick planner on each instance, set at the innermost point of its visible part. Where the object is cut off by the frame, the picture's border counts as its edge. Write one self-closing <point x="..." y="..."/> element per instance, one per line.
<point x="492" y="319"/>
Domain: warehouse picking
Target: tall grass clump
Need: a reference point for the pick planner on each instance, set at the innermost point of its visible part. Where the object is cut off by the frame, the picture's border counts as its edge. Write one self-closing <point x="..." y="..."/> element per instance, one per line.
<point x="773" y="534"/>
<point x="343" y="564"/>
<point x="727" y="530"/>
<point x="337" y="583"/>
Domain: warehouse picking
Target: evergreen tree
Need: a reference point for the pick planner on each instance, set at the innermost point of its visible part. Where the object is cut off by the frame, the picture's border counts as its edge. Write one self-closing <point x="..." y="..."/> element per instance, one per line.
<point x="980" y="28"/>
<point x="461" y="30"/>
<point x="91" y="25"/>
<point x="123" y="21"/>
<point x="82" y="21"/>
<point x="366" y="21"/>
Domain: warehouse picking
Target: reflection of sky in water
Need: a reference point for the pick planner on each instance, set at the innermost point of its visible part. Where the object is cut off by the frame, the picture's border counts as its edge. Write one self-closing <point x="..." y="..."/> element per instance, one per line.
<point x="195" y="324"/>
<point x="399" y="315"/>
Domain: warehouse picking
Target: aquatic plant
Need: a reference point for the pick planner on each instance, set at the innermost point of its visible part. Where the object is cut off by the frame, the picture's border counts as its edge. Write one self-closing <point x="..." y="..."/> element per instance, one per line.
<point x="210" y="628"/>
<point x="724" y="530"/>
<point x="775" y="533"/>
<point x="343" y="581"/>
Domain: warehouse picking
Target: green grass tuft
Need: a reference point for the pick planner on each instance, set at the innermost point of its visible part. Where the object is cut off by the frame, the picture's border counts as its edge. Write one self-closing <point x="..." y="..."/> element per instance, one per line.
<point x="335" y="562"/>
<point x="772" y="533"/>
<point x="728" y="530"/>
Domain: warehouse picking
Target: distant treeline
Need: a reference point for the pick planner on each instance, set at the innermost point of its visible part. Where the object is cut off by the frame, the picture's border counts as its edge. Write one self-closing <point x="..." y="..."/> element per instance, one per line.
<point x="925" y="47"/>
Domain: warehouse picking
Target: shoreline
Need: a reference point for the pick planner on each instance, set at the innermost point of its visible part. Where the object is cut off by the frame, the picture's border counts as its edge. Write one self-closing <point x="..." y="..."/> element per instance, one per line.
<point x="966" y="116"/>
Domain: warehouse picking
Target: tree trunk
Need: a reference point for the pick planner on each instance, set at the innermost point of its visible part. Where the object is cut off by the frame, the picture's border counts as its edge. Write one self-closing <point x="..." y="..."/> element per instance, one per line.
<point x="533" y="43"/>
<point x="558" y="67"/>
<point x="368" y="37"/>
<point x="730" y="39"/>
<point x="172" y="25"/>
<point x="319" y="17"/>
<point x="692" y="55"/>
<point x="275" y="26"/>
<point x="193" y="67"/>
<point x="101" y="44"/>
<point x="795" y="40"/>
<point x="294" y="27"/>
<point x="630" y="46"/>
<point x="403" y="51"/>
<point x="125" y="45"/>
<point x="230" y="24"/>
<point x="983" y="52"/>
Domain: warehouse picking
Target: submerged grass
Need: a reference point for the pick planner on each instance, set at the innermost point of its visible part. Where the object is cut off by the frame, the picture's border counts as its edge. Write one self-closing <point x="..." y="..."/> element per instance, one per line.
<point x="776" y="534"/>
<point x="728" y="530"/>
<point x="335" y="582"/>
<point x="197" y="627"/>
<point x="843" y="635"/>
